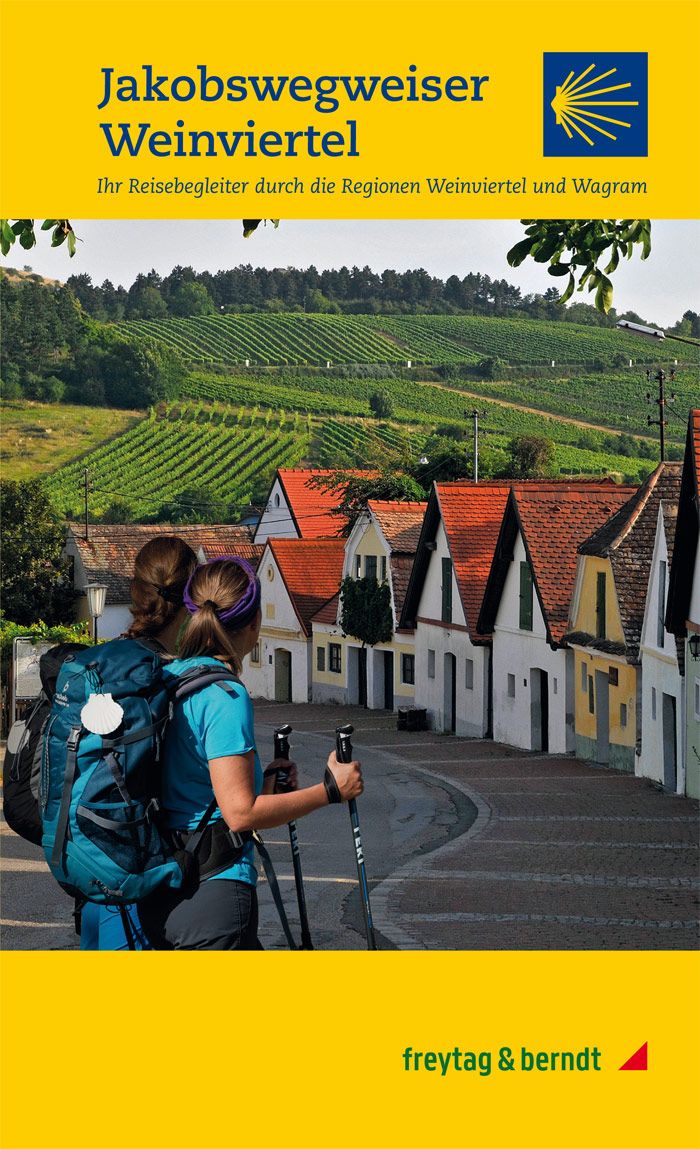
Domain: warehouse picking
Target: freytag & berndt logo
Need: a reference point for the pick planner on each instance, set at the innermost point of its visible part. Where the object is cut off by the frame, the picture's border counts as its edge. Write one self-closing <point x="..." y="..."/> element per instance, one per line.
<point x="595" y="104"/>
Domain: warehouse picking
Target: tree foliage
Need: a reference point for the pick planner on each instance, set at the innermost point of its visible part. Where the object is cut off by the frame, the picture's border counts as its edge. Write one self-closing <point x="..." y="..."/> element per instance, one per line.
<point x="365" y="610"/>
<point x="34" y="578"/>
<point x="24" y="231"/>
<point x="574" y="247"/>
<point x="531" y="457"/>
<point x="355" y="491"/>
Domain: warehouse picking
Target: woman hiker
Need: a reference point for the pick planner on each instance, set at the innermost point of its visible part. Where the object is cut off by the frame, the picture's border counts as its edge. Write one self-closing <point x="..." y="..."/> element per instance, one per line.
<point x="161" y="570"/>
<point x="210" y="754"/>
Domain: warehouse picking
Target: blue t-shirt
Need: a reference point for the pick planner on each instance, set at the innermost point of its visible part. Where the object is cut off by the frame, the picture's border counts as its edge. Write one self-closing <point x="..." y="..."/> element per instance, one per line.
<point x="211" y="723"/>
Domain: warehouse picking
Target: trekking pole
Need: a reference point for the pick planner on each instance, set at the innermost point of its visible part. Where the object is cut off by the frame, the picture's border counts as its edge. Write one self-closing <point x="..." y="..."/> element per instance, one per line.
<point x="282" y="751"/>
<point x="343" y="752"/>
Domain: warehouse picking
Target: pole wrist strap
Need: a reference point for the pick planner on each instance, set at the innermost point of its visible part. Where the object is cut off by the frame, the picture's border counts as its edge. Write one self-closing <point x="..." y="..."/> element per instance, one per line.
<point x="334" y="795"/>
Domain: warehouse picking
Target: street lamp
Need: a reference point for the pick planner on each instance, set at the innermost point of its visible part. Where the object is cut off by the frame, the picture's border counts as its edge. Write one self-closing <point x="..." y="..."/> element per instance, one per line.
<point x="96" y="598"/>
<point x="653" y="332"/>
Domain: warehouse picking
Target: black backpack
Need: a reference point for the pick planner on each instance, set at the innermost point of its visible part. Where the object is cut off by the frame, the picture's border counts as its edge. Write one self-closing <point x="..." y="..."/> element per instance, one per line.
<point x="22" y="765"/>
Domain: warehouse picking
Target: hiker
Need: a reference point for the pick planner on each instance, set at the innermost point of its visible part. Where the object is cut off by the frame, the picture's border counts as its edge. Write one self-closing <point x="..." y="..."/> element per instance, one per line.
<point x="161" y="570"/>
<point x="210" y="754"/>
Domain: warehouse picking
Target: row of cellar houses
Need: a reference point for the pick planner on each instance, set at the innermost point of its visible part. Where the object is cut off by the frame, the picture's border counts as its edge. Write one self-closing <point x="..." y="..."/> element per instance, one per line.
<point x="560" y="616"/>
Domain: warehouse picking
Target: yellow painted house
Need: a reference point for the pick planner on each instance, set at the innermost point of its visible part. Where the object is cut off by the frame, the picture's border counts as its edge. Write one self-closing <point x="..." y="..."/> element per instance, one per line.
<point x="606" y="621"/>
<point x="382" y="545"/>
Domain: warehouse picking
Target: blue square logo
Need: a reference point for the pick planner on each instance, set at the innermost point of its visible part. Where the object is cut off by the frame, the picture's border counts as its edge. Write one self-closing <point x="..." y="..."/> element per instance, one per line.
<point x="595" y="104"/>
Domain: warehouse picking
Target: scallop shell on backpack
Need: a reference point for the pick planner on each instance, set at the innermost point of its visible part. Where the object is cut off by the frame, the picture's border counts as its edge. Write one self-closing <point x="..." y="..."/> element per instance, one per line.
<point x="101" y="714"/>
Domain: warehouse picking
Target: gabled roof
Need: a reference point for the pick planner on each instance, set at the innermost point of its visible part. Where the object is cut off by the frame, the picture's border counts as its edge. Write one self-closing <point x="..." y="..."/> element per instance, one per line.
<point x="627" y="540"/>
<point x="554" y="520"/>
<point x="472" y="514"/>
<point x="685" y="546"/>
<point x="400" y="523"/>
<point x="312" y="570"/>
<point x="329" y="611"/>
<point x="311" y="507"/>
<point x="109" y="552"/>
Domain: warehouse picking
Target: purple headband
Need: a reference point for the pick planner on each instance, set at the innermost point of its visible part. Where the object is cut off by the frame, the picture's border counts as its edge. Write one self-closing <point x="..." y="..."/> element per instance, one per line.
<point x="247" y="606"/>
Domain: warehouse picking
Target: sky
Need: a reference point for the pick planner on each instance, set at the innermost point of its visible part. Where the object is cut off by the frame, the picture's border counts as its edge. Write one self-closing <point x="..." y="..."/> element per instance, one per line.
<point x="659" y="289"/>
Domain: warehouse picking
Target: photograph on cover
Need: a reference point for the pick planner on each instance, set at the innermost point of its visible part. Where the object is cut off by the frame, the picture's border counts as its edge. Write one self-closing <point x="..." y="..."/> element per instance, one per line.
<point x="396" y="517"/>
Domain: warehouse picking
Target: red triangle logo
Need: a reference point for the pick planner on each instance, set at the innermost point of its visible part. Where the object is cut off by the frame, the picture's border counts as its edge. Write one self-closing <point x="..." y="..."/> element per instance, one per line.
<point x="638" y="1060"/>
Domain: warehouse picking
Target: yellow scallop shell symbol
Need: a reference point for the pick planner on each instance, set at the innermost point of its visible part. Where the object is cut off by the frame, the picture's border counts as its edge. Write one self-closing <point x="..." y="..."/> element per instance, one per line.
<point x="573" y="101"/>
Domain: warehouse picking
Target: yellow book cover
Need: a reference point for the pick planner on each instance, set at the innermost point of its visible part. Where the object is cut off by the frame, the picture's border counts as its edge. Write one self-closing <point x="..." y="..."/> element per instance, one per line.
<point x="351" y="489"/>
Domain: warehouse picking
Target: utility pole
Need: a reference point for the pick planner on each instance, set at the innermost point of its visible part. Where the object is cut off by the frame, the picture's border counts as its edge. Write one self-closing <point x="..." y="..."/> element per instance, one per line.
<point x="661" y="401"/>
<point x="86" y="482"/>
<point x="474" y="415"/>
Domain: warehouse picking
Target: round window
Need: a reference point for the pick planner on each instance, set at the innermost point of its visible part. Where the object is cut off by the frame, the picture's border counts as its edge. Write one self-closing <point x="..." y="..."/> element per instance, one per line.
<point x="277" y="500"/>
<point x="270" y="573"/>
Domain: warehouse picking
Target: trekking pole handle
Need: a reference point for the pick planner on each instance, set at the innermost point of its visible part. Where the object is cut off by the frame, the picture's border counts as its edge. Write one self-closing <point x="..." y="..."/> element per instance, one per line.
<point x="343" y="745"/>
<point x="282" y="751"/>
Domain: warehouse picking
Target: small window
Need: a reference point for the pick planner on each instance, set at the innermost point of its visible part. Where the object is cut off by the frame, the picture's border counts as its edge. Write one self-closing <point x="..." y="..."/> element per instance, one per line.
<point x="431" y="664"/>
<point x="255" y="654"/>
<point x="600" y="619"/>
<point x="584" y="676"/>
<point x="358" y="566"/>
<point x="511" y="686"/>
<point x="591" y="696"/>
<point x="697" y="699"/>
<point x="408" y="669"/>
<point x="446" y="590"/>
<point x="383" y="568"/>
<point x="555" y="686"/>
<point x="653" y="703"/>
<point x="469" y="674"/>
<point x="613" y="675"/>
<point x="623" y="715"/>
<point x="661" y="607"/>
<point x="371" y="566"/>
<point x="269" y="610"/>
<point x="320" y="658"/>
<point x="277" y="500"/>
<point x="334" y="657"/>
<point x="525" y="597"/>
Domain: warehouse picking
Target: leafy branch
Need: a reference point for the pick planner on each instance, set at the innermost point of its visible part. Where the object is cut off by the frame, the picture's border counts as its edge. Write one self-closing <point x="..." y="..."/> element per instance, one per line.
<point x="23" y="229"/>
<point x="571" y="246"/>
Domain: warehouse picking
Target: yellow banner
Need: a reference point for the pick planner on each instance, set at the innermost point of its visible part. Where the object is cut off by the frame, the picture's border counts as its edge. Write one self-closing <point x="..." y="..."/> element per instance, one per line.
<point x="317" y="1050"/>
<point x="354" y="110"/>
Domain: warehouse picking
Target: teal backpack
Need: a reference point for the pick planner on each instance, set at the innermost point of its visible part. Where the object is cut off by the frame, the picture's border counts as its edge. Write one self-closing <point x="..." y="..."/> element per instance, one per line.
<point x="103" y="834"/>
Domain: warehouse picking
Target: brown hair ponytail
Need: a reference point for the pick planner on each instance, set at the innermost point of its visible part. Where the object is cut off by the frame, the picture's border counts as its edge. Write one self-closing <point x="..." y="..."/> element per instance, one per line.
<point x="161" y="570"/>
<point x="214" y="589"/>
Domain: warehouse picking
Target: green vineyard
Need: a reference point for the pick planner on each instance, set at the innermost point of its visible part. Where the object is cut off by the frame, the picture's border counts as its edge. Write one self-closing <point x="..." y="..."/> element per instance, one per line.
<point x="288" y="339"/>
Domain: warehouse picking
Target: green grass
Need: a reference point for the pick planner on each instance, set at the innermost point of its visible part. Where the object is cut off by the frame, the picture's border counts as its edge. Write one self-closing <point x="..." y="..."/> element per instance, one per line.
<point x="37" y="438"/>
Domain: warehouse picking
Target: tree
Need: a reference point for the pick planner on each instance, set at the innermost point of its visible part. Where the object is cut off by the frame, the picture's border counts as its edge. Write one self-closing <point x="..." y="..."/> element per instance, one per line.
<point x="381" y="405"/>
<point x="365" y="610"/>
<point x="34" y="578"/>
<point x="531" y="457"/>
<point x="446" y="461"/>
<point x="584" y="241"/>
<point x="193" y="505"/>
<point x="354" y="491"/>
<point x="190" y="299"/>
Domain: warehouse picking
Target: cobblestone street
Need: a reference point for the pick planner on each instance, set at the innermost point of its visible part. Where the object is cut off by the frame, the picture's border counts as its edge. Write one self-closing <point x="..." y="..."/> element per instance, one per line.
<point x="468" y="845"/>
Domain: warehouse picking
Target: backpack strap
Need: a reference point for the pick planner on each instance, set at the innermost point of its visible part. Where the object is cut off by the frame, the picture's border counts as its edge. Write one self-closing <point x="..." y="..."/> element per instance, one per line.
<point x="274" y="888"/>
<point x="196" y="678"/>
<point x="68" y="776"/>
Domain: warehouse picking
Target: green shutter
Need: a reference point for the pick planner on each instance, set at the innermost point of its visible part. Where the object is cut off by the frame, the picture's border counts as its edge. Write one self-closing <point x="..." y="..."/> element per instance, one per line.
<point x="446" y="590"/>
<point x="600" y="605"/>
<point x="525" y="597"/>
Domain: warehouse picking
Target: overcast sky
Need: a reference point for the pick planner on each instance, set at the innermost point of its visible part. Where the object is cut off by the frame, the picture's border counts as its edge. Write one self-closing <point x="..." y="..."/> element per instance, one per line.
<point x="660" y="289"/>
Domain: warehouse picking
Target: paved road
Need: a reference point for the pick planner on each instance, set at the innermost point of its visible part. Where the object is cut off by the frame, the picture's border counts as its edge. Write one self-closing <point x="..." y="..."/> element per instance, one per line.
<point x="468" y="844"/>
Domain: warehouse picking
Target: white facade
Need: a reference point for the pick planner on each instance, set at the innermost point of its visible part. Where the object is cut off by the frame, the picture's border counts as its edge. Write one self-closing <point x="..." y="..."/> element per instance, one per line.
<point x="281" y="672"/>
<point x="662" y="750"/>
<point x="452" y="674"/>
<point x="533" y="702"/>
<point x="276" y="521"/>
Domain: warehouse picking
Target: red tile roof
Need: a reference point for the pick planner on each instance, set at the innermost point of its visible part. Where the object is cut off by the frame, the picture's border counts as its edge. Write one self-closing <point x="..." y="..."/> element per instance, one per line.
<point x="627" y="540"/>
<point x="311" y="507"/>
<point x="554" y="524"/>
<point x="400" y="523"/>
<point x="472" y="514"/>
<point x="312" y="570"/>
<point x="695" y="441"/>
<point x="108" y="554"/>
<point x="328" y="612"/>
